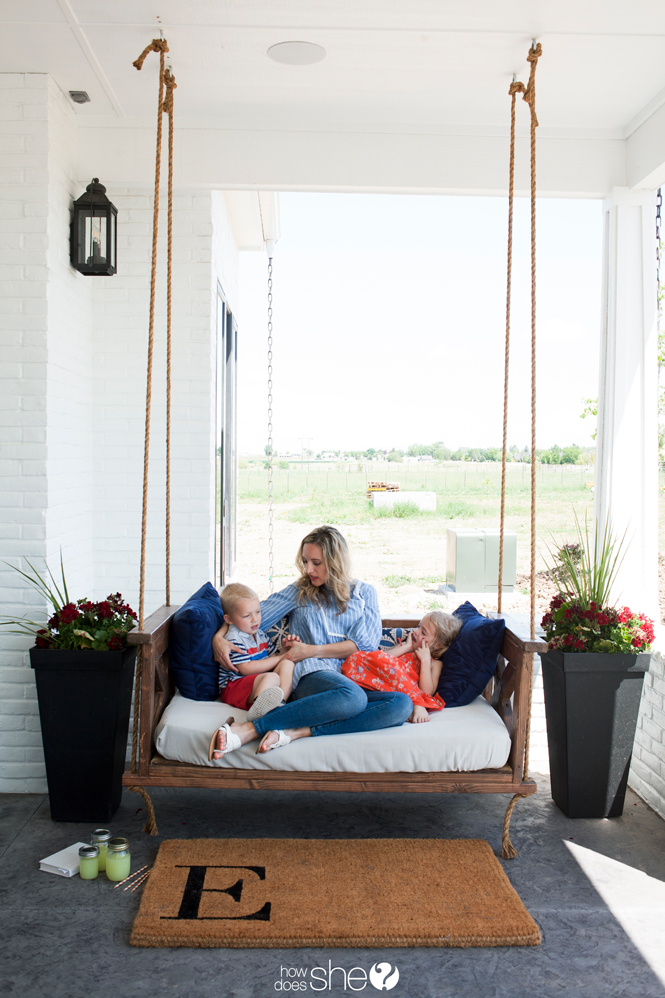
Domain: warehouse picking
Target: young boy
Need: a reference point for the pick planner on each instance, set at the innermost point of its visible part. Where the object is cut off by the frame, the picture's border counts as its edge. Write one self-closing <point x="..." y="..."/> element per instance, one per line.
<point x="263" y="679"/>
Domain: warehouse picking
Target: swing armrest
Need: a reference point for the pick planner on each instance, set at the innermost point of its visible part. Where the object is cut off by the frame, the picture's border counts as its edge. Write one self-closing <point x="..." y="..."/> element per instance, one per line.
<point x="154" y="627"/>
<point x="156" y="684"/>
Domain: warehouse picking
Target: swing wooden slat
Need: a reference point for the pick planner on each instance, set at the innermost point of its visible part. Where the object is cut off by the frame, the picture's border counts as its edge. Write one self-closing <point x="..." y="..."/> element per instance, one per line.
<point x="508" y="692"/>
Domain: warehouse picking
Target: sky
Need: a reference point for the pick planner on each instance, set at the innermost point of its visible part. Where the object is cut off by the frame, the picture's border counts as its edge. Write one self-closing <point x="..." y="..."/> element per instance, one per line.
<point x="389" y="323"/>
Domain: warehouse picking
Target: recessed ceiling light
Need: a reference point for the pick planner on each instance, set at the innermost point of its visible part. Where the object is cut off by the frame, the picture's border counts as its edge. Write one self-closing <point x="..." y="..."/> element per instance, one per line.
<point x="79" y="96"/>
<point x="296" y="53"/>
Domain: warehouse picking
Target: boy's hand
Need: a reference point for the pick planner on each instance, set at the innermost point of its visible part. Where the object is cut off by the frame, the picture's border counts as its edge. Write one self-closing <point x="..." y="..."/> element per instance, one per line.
<point x="290" y="640"/>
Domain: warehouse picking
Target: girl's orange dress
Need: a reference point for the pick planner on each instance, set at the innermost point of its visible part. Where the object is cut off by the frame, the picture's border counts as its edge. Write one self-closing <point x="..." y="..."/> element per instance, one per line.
<point x="375" y="670"/>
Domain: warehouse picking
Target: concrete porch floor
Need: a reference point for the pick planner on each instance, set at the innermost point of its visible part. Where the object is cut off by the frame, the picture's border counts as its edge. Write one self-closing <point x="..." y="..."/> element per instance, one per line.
<point x="70" y="938"/>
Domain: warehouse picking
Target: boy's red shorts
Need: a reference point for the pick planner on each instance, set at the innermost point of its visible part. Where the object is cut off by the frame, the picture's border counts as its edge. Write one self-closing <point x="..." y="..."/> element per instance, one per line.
<point x="237" y="692"/>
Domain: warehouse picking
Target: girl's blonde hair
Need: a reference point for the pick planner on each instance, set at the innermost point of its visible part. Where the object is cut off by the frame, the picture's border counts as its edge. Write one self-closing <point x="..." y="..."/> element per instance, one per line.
<point x="447" y="627"/>
<point x="336" y="558"/>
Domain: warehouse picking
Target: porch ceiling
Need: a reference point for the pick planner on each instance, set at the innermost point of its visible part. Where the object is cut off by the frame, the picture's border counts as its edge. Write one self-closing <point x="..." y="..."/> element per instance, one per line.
<point x="433" y="74"/>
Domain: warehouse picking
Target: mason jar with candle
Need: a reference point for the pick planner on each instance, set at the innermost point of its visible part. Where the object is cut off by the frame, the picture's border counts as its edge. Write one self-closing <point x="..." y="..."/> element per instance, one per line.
<point x="100" y="838"/>
<point x="118" y="859"/>
<point x="88" y="862"/>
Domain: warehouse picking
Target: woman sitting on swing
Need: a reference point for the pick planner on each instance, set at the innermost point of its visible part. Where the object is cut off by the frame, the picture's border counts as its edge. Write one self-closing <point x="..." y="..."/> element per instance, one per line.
<point x="331" y="616"/>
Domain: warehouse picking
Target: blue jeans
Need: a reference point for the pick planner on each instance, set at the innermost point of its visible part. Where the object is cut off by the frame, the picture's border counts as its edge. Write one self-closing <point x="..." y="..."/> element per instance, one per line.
<point x="331" y="704"/>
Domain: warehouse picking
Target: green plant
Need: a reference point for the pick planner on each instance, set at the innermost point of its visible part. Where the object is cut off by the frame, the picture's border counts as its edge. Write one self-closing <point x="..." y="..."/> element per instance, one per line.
<point x="395" y="581"/>
<point x="400" y="510"/>
<point x="580" y="617"/>
<point x="82" y="625"/>
<point x="586" y="570"/>
<point x="574" y="628"/>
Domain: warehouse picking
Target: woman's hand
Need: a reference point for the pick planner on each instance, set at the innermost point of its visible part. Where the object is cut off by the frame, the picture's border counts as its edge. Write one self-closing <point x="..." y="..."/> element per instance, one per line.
<point x="221" y="649"/>
<point x="297" y="651"/>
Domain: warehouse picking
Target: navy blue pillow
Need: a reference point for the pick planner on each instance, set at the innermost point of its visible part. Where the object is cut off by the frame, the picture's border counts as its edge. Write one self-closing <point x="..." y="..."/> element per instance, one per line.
<point x="194" y="670"/>
<point x="469" y="663"/>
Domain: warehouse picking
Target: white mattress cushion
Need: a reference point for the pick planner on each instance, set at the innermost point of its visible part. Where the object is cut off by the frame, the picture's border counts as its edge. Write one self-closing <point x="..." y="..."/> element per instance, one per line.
<point x="459" y="739"/>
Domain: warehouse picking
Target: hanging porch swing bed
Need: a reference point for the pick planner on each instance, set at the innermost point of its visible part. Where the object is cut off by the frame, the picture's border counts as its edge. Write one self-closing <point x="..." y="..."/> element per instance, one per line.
<point x="478" y="746"/>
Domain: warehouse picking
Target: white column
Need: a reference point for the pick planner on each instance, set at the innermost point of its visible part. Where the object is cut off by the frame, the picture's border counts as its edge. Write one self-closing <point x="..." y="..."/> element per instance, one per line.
<point x="627" y="441"/>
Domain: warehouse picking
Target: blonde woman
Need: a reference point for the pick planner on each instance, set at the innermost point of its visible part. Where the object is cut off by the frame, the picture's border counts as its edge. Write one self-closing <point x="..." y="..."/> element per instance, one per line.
<point x="331" y="616"/>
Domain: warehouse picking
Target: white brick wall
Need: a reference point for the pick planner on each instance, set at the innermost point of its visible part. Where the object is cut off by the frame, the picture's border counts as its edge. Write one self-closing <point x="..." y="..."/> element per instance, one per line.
<point x="72" y="392"/>
<point x="23" y="387"/>
<point x="647" y="772"/>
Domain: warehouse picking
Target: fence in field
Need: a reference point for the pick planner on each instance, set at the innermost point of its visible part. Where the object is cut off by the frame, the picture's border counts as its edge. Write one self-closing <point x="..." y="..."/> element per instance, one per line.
<point x="450" y="477"/>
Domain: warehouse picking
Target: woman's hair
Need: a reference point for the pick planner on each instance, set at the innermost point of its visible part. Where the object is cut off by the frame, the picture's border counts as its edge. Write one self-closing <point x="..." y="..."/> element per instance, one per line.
<point x="338" y="584"/>
<point x="447" y="628"/>
<point x="231" y="595"/>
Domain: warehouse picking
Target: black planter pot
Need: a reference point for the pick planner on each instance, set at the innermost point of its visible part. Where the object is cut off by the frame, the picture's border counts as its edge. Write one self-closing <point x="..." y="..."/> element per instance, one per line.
<point x="84" y="706"/>
<point x="591" y="703"/>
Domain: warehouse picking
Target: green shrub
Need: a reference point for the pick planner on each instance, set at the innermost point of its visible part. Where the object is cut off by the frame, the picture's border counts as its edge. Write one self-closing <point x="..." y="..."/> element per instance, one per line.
<point x="395" y="581"/>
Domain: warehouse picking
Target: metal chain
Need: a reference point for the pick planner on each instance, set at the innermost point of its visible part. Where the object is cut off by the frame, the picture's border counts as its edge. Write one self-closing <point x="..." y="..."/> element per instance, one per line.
<point x="270" y="455"/>
<point x="659" y="205"/>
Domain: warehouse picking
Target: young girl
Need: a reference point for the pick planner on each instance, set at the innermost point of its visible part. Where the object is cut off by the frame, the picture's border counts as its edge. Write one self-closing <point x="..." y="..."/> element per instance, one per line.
<point x="413" y="667"/>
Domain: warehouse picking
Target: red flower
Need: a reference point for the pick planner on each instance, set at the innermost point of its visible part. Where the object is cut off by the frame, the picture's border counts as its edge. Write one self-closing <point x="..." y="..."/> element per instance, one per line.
<point x="115" y="643"/>
<point x="568" y="639"/>
<point x="68" y="614"/>
<point x="104" y="609"/>
<point x="579" y="644"/>
<point x="40" y="641"/>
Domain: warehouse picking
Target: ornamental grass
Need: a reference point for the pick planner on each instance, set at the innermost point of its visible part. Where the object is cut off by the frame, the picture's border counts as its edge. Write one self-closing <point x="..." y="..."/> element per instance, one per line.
<point x="581" y="618"/>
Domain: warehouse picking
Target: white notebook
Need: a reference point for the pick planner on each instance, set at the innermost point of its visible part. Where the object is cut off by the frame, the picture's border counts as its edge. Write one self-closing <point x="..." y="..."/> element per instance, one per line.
<point x="65" y="863"/>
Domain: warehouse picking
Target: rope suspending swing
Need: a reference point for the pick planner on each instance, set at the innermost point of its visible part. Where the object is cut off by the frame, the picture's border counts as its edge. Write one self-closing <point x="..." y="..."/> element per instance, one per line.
<point x="166" y="87"/>
<point x="508" y="851"/>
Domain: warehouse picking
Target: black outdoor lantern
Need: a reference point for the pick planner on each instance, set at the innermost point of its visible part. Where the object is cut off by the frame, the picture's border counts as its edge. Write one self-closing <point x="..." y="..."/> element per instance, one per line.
<point x="94" y="232"/>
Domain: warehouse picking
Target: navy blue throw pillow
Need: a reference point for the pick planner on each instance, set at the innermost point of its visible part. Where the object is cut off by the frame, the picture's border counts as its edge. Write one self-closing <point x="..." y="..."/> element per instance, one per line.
<point x="194" y="670"/>
<point x="469" y="663"/>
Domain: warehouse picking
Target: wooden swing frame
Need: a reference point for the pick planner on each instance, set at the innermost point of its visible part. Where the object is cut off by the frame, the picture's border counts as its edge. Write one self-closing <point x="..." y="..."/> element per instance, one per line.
<point x="510" y="689"/>
<point x="508" y="692"/>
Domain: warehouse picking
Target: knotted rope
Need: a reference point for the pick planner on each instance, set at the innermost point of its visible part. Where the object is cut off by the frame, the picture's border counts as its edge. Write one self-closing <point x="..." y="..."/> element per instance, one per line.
<point x="166" y="87"/>
<point x="508" y="850"/>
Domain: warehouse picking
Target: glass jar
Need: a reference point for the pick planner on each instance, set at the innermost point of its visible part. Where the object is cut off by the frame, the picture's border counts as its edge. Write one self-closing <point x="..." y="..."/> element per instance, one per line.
<point x="88" y="862"/>
<point x="100" y="838"/>
<point x="118" y="859"/>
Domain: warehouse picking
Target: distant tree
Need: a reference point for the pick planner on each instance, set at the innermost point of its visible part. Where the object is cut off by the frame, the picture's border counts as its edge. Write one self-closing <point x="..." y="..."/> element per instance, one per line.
<point x="570" y="455"/>
<point x="395" y="455"/>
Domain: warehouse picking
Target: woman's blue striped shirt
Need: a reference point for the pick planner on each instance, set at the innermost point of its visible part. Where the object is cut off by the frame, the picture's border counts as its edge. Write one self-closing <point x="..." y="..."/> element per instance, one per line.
<point x="321" y="625"/>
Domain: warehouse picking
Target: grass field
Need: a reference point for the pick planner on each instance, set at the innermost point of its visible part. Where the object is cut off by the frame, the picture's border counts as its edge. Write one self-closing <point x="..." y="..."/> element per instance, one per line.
<point x="404" y="555"/>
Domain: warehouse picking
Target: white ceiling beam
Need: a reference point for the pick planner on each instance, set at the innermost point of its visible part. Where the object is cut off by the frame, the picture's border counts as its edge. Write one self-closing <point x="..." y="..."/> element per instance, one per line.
<point x="645" y="153"/>
<point x="228" y="159"/>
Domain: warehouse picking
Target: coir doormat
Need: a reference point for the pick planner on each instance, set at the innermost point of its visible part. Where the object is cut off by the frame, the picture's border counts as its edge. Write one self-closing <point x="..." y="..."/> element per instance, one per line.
<point x="263" y="893"/>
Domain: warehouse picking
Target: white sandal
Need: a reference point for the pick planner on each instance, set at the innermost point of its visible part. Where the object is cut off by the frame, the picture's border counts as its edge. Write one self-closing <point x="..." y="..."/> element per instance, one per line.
<point x="282" y="739"/>
<point x="265" y="702"/>
<point x="231" y="741"/>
